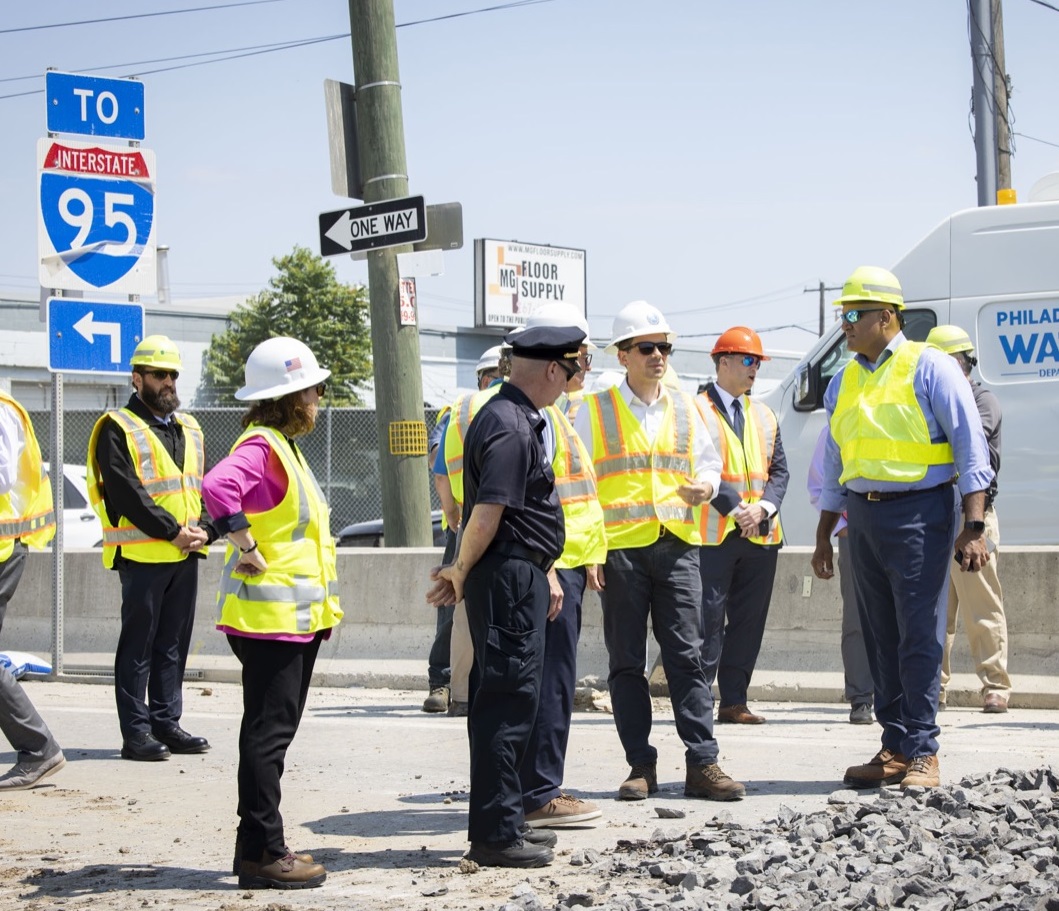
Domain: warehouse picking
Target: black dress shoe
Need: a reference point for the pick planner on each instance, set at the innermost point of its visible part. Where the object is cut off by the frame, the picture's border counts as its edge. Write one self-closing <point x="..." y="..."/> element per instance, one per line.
<point x="180" y="741"/>
<point x="515" y="854"/>
<point x="538" y="836"/>
<point x="143" y="747"/>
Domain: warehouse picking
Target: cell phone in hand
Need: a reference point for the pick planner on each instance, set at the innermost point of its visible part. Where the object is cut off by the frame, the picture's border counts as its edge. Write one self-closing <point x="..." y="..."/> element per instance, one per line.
<point x="989" y="547"/>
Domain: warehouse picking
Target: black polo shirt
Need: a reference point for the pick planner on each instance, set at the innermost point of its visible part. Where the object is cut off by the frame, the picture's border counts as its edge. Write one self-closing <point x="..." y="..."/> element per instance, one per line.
<point x="505" y="464"/>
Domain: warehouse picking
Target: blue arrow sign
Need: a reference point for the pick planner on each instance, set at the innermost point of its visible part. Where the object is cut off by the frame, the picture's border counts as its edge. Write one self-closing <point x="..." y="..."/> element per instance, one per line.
<point x="92" y="337"/>
<point x="96" y="217"/>
<point x="94" y="105"/>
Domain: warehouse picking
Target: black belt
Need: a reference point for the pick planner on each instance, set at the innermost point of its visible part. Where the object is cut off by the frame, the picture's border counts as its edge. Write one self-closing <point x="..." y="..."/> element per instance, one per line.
<point x="882" y="496"/>
<point x="511" y="549"/>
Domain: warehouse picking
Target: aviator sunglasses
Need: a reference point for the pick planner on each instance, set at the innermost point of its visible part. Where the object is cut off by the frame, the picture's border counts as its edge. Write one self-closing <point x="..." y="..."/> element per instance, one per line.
<point x="648" y="348"/>
<point x="162" y="375"/>
<point x="748" y="360"/>
<point x="853" y="316"/>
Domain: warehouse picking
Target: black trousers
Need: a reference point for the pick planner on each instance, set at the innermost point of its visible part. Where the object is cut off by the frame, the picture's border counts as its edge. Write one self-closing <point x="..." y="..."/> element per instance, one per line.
<point x="157" y="615"/>
<point x="438" y="671"/>
<point x="507" y="607"/>
<point x="737" y="577"/>
<point x="276" y="678"/>
<point x="542" y="771"/>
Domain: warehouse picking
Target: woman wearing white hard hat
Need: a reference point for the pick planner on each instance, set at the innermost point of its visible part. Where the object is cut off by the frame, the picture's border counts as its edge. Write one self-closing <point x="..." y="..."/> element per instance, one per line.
<point x="278" y="597"/>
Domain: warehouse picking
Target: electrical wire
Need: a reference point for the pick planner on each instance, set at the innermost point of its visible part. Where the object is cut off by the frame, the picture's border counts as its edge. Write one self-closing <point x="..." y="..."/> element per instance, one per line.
<point x="1035" y="139"/>
<point x="1054" y="9"/>
<point x="172" y="12"/>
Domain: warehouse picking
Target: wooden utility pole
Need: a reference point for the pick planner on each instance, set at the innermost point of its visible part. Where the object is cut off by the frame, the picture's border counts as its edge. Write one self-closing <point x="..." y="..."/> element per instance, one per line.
<point x="821" y="288"/>
<point x="1000" y="92"/>
<point x="395" y="348"/>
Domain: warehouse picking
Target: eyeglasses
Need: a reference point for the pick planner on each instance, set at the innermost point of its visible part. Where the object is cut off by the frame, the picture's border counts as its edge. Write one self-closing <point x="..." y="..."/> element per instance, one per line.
<point x="570" y="369"/>
<point x="853" y="316"/>
<point x="162" y="375"/>
<point x="321" y="389"/>
<point x="585" y="360"/>
<point x="748" y="360"/>
<point x="648" y="348"/>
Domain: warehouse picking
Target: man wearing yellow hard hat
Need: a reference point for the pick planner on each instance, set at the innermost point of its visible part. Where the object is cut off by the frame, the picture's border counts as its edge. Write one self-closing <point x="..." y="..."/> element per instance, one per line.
<point x="145" y="467"/>
<point x="906" y="449"/>
<point x="978" y="596"/>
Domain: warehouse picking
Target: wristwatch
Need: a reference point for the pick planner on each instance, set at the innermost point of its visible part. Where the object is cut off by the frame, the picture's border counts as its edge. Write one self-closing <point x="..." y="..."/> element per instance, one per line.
<point x="974" y="526"/>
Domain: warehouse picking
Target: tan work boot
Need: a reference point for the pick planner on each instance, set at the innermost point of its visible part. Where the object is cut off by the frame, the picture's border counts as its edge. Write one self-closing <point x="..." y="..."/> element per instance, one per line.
<point x="923" y="772"/>
<point x="885" y="767"/>
<point x="712" y="782"/>
<point x="287" y="872"/>
<point x="641" y="781"/>
<point x="564" y="810"/>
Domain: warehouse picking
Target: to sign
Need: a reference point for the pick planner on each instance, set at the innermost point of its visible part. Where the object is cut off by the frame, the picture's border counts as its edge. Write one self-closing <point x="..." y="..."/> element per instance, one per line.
<point x="389" y="223"/>
<point x="92" y="337"/>
<point x="96" y="225"/>
<point x="94" y="105"/>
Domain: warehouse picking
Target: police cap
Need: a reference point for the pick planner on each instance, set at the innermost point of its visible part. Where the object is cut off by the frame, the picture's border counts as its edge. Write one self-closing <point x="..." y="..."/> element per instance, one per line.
<point x="547" y="343"/>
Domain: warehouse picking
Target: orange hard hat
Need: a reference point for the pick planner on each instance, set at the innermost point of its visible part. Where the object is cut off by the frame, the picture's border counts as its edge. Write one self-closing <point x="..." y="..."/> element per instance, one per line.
<point x="739" y="340"/>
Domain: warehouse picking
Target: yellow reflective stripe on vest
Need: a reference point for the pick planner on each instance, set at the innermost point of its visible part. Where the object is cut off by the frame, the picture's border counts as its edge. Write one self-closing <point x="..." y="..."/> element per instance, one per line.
<point x="575" y="484"/>
<point x="879" y="425"/>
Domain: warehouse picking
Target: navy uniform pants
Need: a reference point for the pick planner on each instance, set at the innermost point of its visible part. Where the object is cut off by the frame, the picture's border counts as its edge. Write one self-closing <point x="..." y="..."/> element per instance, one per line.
<point x="659" y="583"/>
<point x="542" y="771"/>
<point x="507" y="608"/>
<point x="901" y="552"/>
<point x="737" y="577"/>
<point x="157" y="615"/>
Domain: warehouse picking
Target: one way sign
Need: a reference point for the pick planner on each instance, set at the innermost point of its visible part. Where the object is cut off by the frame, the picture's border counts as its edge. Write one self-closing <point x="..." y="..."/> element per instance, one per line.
<point x="389" y="223"/>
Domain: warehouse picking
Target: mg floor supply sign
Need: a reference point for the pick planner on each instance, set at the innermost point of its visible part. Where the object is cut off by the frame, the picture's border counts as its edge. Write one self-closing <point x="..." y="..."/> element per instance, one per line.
<point x="512" y="279"/>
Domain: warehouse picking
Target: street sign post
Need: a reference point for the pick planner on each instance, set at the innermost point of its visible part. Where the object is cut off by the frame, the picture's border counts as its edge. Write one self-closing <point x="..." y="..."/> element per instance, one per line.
<point x="94" y="105"/>
<point x="389" y="223"/>
<point x="96" y="217"/>
<point x="92" y="337"/>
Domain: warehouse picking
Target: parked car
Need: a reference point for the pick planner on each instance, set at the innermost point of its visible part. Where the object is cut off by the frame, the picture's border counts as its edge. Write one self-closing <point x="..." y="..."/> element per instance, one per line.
<point x="369" y="534"/>
<point x="81" y="526"/>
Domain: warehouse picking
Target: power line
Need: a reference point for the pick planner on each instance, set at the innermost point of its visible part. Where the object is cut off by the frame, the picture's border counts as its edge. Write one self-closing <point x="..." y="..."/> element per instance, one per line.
<point x="172" y="12"/>
<point x="1054" y="9"/>
<point x="1034" y="138"/>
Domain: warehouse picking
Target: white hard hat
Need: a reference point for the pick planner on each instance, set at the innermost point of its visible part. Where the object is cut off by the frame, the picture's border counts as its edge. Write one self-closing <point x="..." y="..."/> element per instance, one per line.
<point x="278" y="366"/>
<point x="606" y="379"/>
<point x="635" y="319"/>
<point x="559" y="316"/>
<point x="489" y="360"/>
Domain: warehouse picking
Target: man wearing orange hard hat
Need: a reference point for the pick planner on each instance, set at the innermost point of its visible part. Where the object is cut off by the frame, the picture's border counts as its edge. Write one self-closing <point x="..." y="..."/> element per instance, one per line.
<point x="741" y="534"/>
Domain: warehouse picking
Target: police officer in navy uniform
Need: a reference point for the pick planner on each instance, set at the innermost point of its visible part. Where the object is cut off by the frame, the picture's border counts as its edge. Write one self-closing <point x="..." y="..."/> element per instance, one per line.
<point x="512" y="532"/>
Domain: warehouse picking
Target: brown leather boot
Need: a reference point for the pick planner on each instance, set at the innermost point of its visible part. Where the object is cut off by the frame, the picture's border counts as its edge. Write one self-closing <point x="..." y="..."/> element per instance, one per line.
<point x="885" y="767"/>
<point x="710" y="781"/>
<point x="238" y="858"/>
<point x="287" y="872"/>
<point x="641" y="781"/>
<point x="923" y="772"/>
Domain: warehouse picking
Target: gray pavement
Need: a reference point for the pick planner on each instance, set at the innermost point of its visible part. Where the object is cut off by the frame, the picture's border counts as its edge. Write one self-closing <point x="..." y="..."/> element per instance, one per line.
<point x="376" y="790"/>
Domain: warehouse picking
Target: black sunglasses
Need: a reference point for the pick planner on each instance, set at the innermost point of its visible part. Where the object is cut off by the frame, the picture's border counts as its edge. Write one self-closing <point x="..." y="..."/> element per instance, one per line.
<point x="321" y="389"/>
<point x="648" y="348"/>
<point x="853" y="316"/>
<point x="570" y="369"/>
<point x="161" y="375"/>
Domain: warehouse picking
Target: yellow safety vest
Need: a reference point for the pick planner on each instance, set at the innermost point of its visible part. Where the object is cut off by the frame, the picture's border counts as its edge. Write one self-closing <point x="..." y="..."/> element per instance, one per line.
<point x="177" y="490"/>
<point x="440" y="417"/>
<point x="879" y="425"/>
<point x="298" y="593"/>
<point x="34" y="522"/>
<point x="574" y="401"/>
<point x="575" y="483"/>
<point x="745" y="467"/>
<point x="463" y="411"/>
<point x="638" y="480"/>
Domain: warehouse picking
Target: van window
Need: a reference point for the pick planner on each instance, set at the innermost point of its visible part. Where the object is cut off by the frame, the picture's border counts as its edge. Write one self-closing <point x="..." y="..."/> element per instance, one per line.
<point x="813" y="382"/>
<point x="72" y="498"/>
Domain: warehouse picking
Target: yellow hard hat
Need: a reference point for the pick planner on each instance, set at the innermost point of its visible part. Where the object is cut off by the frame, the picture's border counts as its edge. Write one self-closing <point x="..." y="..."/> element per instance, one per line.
<point x="950" y="339"/>
<point x="871" y="283"/>
<point x="156" y="351"/>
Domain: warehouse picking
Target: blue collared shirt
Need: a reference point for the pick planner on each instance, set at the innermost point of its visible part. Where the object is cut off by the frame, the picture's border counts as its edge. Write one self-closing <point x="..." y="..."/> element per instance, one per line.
<point x="947" y="402"/>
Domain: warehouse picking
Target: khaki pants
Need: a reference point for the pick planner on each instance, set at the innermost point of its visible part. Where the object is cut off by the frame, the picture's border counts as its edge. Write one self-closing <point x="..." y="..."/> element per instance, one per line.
<point x="979" y="598"/>
<point x="461" y="656"/>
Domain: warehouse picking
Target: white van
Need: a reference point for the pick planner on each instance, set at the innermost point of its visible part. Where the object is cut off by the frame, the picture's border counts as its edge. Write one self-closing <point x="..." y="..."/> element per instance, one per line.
<point x="994" y="271"/>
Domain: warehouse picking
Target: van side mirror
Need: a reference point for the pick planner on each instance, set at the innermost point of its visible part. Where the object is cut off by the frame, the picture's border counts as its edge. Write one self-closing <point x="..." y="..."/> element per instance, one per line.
<point x="805" y="390"/>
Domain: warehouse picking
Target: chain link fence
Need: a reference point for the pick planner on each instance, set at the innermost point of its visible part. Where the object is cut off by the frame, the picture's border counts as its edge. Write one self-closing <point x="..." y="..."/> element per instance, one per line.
<point x="342" y="451"/>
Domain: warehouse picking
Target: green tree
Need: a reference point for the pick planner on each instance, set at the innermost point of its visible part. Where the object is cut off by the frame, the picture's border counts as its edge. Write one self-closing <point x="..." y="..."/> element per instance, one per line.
<point x="307" y="302"/>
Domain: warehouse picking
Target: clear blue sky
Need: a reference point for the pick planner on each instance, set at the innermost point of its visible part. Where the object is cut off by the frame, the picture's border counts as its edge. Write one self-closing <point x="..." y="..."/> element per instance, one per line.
<point x="712" y="157"/>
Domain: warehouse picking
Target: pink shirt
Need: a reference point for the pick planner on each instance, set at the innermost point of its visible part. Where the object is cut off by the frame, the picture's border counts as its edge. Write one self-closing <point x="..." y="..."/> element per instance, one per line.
<point x="251" y="479"/>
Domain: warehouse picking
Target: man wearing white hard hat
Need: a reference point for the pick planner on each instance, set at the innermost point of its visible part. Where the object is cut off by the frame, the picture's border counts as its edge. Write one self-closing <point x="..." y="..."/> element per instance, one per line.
<point x="278" y="597"/>
<point x="451" y="657"/>
<point x="656" y="467"/>
<point x="145" y="467"/>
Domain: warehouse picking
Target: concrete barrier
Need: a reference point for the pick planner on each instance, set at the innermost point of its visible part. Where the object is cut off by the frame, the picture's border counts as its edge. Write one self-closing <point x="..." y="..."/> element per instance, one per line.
<point x="387" y="619"/>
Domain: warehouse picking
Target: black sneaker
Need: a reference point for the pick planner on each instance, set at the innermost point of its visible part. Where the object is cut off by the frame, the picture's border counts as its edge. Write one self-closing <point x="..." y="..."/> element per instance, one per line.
<point x="860" y="713"/>
<point x="516" y="854"/>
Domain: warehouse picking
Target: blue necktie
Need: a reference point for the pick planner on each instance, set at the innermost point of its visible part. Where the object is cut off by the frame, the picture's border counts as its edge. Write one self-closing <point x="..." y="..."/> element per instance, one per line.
<point x="737" y="418"/>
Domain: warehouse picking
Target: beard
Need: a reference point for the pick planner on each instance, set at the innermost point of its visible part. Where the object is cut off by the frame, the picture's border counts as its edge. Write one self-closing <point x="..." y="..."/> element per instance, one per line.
<point x="163" y="401"/>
